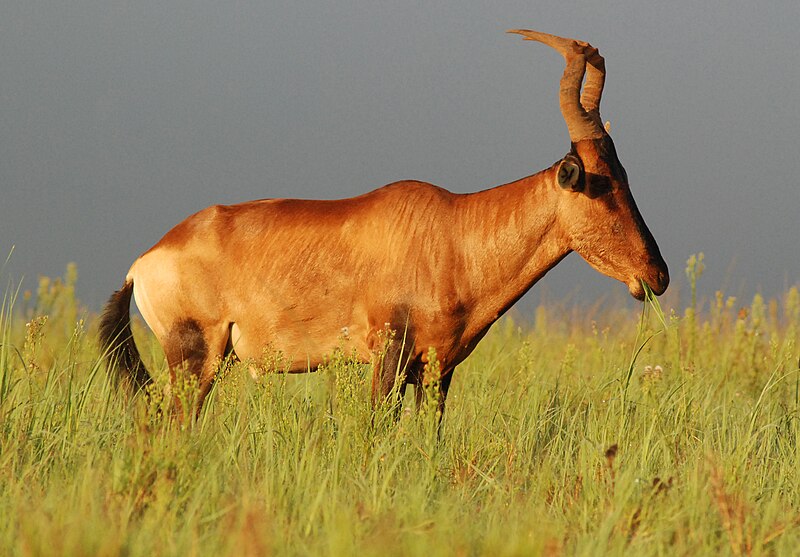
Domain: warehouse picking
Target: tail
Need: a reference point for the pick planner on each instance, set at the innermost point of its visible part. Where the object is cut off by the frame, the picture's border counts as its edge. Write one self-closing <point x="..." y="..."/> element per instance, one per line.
<point x="116" y="339"/>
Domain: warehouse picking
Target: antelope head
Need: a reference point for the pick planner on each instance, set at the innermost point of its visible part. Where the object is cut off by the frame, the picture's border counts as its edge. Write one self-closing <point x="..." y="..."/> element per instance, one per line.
<point x="596" y="209"/>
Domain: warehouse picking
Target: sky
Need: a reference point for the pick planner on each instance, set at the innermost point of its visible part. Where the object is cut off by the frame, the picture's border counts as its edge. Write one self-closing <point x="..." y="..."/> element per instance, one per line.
<point x="120" y="118"/>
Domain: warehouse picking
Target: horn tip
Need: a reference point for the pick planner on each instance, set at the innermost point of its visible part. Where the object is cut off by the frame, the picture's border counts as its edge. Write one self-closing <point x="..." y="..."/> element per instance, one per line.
<point x="522" y="32"/>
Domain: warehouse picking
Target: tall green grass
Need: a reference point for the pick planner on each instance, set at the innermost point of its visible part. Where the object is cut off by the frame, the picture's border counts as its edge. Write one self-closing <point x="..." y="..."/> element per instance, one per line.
<point x="648" y="432"/>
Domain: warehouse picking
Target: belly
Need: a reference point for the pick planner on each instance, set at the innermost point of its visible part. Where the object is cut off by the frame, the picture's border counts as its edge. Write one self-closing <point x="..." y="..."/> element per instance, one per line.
<point x="297" y="346"/>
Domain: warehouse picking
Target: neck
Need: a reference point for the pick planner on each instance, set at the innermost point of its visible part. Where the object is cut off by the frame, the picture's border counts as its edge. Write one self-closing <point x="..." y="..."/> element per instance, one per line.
<point x="510" y="240"/>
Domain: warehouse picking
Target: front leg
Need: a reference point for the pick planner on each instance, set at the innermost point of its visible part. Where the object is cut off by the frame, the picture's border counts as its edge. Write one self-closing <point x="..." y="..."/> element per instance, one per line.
<point x="439" y="388"/>
<point x="390" y="369"/>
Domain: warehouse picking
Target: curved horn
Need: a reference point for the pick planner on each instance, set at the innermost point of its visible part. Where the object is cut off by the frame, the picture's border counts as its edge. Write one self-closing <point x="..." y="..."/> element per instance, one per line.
<point x="595" y="80"/>
<point x="580" y="112"/>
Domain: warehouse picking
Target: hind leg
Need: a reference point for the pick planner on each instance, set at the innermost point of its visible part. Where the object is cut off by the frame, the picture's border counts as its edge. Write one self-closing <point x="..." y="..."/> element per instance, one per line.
<point x="193" y="352"/>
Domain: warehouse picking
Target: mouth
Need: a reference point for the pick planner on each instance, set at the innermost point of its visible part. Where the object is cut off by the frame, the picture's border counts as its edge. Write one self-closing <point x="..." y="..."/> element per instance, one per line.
<point x="637" y="290"/>
<point x="657" y="286"/>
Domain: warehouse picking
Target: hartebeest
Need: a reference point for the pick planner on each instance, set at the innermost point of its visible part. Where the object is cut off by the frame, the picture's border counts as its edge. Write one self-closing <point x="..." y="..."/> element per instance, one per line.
<point x="429" y="267"/>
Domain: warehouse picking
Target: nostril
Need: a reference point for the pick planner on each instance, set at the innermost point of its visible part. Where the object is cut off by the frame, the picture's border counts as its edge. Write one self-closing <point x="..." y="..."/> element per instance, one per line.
<point x="663" y="280"/>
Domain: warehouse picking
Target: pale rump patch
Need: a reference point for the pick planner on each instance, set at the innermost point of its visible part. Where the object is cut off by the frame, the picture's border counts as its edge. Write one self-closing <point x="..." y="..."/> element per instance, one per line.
<point x="147" y="308"/>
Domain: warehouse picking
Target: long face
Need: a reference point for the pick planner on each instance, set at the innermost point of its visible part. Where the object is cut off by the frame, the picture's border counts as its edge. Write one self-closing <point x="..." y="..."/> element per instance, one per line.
<point x="596" y="209"/>
<point x="600" y="216"/>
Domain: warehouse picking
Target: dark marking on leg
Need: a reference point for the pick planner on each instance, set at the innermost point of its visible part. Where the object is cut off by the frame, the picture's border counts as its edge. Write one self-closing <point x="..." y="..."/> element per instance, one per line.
<point x="185" y="344"/>
<point x="393" y="353"/>
<point x="444" y="387"/>
<point x="230" y="354"/>
<point x="187" y="351"/>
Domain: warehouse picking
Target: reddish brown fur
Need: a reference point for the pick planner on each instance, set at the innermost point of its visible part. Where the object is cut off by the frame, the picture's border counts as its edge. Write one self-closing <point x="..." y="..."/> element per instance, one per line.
<point x="433" y="267"/>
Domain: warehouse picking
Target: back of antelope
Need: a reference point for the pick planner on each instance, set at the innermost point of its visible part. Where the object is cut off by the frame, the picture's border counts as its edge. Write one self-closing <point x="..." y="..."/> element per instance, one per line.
<point x="392" y="272"/>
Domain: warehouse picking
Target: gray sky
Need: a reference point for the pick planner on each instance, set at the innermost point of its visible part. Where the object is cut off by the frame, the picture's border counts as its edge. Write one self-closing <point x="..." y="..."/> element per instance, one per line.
<point x="120" y="118"/>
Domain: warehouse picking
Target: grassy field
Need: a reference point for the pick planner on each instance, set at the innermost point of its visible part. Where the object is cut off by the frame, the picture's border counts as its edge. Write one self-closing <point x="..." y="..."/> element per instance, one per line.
<point x="605" y="432"/>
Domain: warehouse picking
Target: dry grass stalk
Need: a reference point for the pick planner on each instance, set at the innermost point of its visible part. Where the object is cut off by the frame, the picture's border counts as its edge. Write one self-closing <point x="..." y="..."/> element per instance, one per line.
<point x="733" y="513"/>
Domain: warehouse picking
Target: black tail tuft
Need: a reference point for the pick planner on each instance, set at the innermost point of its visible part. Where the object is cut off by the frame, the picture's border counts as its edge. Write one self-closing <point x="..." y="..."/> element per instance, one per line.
<point x="116" y="339"/>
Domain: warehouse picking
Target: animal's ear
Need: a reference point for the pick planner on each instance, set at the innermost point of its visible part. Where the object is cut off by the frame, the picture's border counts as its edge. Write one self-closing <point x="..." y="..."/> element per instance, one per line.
<point x="570" y="173"/>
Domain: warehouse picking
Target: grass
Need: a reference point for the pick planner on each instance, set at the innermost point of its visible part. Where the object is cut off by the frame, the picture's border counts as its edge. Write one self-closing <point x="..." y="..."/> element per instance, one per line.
<point x="630" y="432"/>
